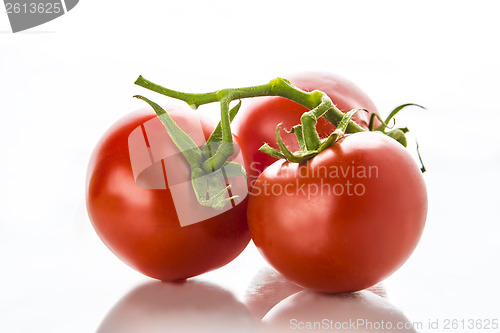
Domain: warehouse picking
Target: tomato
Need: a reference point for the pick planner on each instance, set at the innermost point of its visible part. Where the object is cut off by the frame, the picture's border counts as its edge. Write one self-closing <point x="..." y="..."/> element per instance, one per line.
<point x="256" y="122"/>
<point x="153" y="223"/>
<point x="344" y="220"/>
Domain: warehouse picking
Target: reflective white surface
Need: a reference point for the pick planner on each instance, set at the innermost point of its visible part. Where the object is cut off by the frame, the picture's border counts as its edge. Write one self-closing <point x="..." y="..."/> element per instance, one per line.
<point x="191" y="306"/>
<point x="64" y="83"/>
<point x="359" y="312"/>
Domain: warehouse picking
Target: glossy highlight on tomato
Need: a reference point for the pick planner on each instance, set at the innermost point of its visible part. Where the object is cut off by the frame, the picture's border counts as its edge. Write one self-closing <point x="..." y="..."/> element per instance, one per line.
<point x="344" y="220"/>
<point x="145" y="224"/>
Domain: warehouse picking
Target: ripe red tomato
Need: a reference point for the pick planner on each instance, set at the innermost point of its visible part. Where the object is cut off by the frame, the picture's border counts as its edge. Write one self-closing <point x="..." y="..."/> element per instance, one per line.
<point x="256" y="122"/>
<point x="344" y="220"/>
<point x="142" y="205"/>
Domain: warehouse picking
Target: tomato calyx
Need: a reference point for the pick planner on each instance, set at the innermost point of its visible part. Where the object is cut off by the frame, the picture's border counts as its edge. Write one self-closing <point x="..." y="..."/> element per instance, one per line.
<point x="209" y="187"/>
<point x="318" y="145"/>
<point x="397" y="134"/>
<point x="305" y="153"/>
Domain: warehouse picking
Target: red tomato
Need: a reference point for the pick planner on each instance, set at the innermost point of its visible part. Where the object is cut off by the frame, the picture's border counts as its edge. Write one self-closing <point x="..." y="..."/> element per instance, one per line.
<point x="344" y="220"/>
<point x="141" y="203"/>
<point x="256" y="123"/>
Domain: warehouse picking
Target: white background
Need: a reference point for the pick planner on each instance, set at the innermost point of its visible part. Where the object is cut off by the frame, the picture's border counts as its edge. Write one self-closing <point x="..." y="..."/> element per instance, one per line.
<point x="64" y="83"/>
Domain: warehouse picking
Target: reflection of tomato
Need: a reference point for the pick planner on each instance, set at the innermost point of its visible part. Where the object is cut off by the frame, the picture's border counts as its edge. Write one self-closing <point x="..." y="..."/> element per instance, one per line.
<point x="361" y="311"/>
<point x="255" y="124"/>
<point x="268" y="288"/>
<point x="188" y="307"/>
<point x="344" y="220"/>
<point x="142" y="225"/>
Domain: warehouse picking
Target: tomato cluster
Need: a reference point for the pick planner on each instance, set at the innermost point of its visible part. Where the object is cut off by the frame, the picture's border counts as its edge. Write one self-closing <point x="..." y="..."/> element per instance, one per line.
<point x="341" y="221"/>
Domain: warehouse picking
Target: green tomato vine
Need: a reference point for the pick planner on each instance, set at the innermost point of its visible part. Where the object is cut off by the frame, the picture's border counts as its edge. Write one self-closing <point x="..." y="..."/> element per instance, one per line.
<point x="209" y="163"/>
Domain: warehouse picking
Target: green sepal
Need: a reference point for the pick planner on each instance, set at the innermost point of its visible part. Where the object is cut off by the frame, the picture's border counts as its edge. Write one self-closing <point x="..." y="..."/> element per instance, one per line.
<point x="394" y="112"/>
<point x="273" y="152"/>
<point x="233" y="169"/>
<point x="284" y="149"/>
<point x="215" y="138"/>
<point x="398" y="134"/>
<point x="372" y="123"/>
<point x="209" y="188"/>
<point x="184" y="143"/>
<point x="309" y="133"/>
<point x="304" y="155"/>
<point x="339" y="131"/>
<point x="344" y="122"/>
<point x="299" y="134"/>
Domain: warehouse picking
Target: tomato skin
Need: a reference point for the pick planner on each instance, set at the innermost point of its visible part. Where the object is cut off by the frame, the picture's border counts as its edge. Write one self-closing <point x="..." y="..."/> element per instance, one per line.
<point x="141" y="225"/>
<point x="325" y="240"/>
<point x="256" y="122"/>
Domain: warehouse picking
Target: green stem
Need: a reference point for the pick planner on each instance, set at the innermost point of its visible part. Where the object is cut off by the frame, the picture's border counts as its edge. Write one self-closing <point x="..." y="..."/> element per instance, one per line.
<point x="309" y="119"/>
<point x="276" y="87"/>
<point x="226" y="148"/>
<point x="319" y="104"/>
<point x="309" y="132"/>
<point x="214" y="141"/>
<point x="194" y="100"/>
